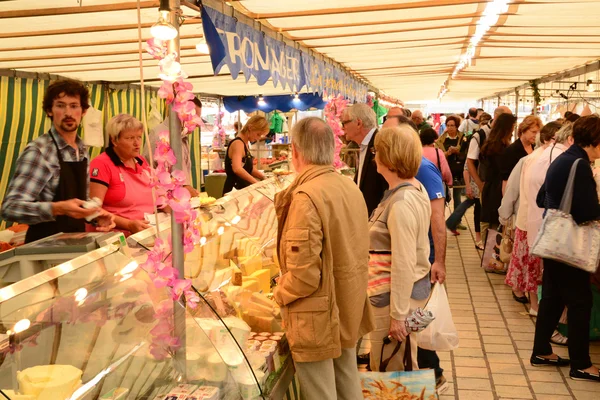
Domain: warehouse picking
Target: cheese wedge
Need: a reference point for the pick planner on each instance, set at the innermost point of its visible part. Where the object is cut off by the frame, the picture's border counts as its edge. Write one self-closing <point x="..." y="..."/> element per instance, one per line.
<point x="249" y="265"/>
<point x="264" y="279"/>
<point x="49" y="382"/>
<point x="250" y="284"/>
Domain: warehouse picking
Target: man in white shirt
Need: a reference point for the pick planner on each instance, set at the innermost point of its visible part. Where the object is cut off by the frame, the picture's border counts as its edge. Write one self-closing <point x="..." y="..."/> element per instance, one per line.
<point x="470" y="124"/>
<point x="360" y="126"/>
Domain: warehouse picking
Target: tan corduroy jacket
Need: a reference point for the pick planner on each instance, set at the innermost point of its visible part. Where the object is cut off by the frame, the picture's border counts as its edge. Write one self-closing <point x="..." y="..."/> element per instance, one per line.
<point x="323" y="247"/>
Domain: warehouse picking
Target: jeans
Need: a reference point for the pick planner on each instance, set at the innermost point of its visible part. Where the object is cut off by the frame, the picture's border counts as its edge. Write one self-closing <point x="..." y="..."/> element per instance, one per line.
<point x="457" y="196"/>
<point x="429" y="359"/>
<point x="454" y="219"/>
<point x="562" y="286"/>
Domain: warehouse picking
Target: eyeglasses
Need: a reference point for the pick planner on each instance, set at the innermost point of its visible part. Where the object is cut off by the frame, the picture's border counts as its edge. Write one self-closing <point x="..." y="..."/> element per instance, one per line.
<point x="346" y="122"/>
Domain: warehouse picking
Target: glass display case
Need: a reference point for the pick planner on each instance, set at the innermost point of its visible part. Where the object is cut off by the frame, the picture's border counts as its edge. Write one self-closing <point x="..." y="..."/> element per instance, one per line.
<point x="98" y="328"/>
<point x="232" y="267"/>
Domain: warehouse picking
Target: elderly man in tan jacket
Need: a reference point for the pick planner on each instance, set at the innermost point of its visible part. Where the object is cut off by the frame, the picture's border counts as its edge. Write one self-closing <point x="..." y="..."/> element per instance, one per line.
<point x="324" y="252"/>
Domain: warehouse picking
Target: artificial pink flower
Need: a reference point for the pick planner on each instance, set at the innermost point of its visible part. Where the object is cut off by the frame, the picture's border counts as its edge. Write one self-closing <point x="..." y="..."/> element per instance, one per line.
<point x="192" y="299"/>
<point x="164" y="136"/>
<point x="164" y="154"/>
<point x="180" y="286"/>
<point x="166" y="92"/>
<point x="165" y="276"/>
<point x="178" y="177"/>
<point x="156" y="48"/>
<point x="165" y="181"/>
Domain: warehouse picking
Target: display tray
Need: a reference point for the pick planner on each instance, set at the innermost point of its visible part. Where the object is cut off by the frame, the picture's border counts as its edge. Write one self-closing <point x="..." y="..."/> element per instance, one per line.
<point x="62" y="243"/>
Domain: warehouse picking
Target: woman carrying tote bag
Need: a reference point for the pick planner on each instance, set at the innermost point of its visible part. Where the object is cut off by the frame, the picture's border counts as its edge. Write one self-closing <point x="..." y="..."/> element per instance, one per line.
<point x="564" y="284"/>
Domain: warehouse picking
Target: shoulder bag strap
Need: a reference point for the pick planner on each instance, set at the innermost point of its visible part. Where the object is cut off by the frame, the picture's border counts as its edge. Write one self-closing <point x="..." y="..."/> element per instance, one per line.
<point x="567" y="198"/>
<point x="437" y="153"/>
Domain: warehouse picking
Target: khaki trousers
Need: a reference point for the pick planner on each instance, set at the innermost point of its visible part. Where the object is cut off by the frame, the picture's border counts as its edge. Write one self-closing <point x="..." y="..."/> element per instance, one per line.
<point x="382" y="328"/>
<point x="330" y="379"/>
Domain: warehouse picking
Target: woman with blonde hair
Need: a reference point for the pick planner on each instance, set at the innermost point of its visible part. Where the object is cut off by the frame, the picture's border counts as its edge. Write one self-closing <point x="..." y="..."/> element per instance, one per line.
<point x="120" y="177"/>
<point x="239" y="163"/>
<point x="399" y="244"/>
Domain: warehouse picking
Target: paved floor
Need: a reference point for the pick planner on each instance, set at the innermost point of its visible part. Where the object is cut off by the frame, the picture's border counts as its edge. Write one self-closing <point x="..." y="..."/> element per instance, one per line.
<point x="496" y="338"/>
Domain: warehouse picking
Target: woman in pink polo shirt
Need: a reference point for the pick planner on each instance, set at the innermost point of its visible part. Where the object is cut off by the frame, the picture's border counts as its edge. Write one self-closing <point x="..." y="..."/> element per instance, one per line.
<point x="120" y="176"/>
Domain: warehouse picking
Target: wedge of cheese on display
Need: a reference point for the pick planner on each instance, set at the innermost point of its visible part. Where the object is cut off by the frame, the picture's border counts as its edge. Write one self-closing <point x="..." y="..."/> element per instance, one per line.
<point x="237" y="275"/>
<point x="49" y="382"/>
<point x="248" y="247"/>
<point x="251" y="284"/>
<point x="264" y="279"/>
<point x="262" y="299"/>
<point x="249" y="265"/>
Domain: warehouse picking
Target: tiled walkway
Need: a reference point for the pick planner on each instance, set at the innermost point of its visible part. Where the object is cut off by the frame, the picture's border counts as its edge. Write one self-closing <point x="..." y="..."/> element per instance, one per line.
<point x="496" y="338"/>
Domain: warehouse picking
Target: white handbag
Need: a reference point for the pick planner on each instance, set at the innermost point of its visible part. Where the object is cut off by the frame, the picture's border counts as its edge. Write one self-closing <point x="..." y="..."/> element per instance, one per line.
<point x="561" y="239"/>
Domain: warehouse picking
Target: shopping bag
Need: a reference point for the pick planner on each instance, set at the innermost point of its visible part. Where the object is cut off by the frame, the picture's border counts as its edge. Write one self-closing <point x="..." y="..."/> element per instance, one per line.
<point x="398" y="385"/>
<point x="441" y="334"/>
<point x="491" y="261"/>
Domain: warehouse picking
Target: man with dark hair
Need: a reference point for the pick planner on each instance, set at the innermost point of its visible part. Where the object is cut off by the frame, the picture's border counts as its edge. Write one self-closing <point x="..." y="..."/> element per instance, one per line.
<point x="50" y="183"/>
<point x="185" y="146"/>
<point x="470" y="124"/>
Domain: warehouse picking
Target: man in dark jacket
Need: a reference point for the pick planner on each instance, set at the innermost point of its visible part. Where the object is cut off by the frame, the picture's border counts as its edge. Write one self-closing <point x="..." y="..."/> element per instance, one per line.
<point x="360" y="126"/>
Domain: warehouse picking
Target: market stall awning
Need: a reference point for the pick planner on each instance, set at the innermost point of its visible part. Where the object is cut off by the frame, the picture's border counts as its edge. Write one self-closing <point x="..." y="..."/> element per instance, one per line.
<point x="405" y="48"/>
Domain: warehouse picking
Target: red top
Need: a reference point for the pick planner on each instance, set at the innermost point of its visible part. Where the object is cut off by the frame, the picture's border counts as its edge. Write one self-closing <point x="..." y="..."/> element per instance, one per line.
<point x="129" y="194"/>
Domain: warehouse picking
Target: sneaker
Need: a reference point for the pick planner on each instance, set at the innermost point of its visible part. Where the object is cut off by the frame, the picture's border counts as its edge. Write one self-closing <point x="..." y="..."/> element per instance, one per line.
<point x="461" y="227"/>
<point x="441" y="385"/>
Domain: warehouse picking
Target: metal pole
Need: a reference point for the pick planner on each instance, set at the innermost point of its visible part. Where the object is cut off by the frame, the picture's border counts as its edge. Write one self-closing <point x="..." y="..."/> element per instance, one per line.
<point x="177" y="229"/>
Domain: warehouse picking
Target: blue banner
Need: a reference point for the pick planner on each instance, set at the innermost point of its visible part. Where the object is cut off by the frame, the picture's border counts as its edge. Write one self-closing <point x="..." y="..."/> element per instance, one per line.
<point x="249" y="51"/>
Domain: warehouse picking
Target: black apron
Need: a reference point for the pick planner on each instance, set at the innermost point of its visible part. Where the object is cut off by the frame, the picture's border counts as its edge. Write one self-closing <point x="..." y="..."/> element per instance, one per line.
<point x="72" y="183"/>
<point x="234" y="181"/>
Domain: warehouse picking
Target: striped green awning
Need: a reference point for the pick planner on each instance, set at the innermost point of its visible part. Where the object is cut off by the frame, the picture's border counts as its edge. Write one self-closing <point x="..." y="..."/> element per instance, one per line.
<point x="22" y="119"/>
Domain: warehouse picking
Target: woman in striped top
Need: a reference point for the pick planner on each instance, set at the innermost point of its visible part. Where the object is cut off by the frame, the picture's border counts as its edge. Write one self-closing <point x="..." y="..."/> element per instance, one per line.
<point x="399" y="244"/>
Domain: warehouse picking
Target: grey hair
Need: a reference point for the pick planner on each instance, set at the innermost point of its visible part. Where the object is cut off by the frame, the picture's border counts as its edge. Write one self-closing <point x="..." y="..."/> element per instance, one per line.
<point x="313" y="140"/>
<point x="364" y="113"/>
<point x="121" y="123"/>
<point x="564" y="133"/>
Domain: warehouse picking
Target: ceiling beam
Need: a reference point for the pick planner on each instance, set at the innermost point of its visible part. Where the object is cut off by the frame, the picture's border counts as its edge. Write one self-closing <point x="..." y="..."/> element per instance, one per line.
<point x="86" y="29"/>
<point x="72" y="63"/>
<point x="370" y="8"/>
<point x="367" y="33"/>
<point x="86" y="44"/>
<point x="47" y="12"/>
<point x="84" y="55"/>
<point x="375" y="23"/>
<point x="320" y="47"/>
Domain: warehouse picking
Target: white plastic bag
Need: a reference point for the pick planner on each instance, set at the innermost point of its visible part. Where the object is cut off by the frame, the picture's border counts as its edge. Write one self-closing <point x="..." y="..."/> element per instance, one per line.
<point x="441" y="334"/>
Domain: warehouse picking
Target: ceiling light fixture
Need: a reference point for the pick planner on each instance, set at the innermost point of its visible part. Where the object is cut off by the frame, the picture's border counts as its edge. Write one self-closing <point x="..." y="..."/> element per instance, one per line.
<point x="488" y="19"/>
<point x="163" y="30"/>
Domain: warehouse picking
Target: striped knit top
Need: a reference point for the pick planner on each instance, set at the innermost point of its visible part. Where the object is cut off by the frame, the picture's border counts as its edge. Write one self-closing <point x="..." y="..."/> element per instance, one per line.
<point x="399" y="245"/>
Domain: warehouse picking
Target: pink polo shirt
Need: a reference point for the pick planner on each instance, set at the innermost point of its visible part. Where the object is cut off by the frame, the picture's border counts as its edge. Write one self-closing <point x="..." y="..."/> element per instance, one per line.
<point x="128" y="194"/>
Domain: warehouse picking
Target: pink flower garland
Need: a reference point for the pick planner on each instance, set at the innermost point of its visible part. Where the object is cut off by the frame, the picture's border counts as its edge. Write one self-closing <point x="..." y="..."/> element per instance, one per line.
<point x="333" y="113"/>
<point x="170" y="191"/>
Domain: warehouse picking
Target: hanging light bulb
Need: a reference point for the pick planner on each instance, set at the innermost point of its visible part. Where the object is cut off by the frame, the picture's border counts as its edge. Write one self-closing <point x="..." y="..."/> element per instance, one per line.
<point x="297" y="96"/>
<point x="590" y="86"/>
<point x="163" y="30"/>
<point x="202" y="47"/>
